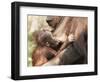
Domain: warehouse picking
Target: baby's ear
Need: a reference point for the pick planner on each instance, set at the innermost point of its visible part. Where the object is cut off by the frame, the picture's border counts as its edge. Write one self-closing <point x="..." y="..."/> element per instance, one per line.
<point x="71" y="37"/>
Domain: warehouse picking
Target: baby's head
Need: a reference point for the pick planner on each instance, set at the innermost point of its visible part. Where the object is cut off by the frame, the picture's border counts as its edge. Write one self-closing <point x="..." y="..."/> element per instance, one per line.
<point x="44" y="38"/>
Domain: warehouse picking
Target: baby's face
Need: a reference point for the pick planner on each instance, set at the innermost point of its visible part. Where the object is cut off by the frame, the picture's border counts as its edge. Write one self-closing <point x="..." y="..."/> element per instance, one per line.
<point x="45" y="38"/>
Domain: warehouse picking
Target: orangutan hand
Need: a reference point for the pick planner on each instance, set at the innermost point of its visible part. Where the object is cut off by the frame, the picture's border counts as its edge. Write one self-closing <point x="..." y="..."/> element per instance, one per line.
<point x="71" y="38"/>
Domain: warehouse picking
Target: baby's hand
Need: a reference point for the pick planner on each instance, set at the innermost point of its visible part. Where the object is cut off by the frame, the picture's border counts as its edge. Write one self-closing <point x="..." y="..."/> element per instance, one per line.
<point x="71" y="38"/>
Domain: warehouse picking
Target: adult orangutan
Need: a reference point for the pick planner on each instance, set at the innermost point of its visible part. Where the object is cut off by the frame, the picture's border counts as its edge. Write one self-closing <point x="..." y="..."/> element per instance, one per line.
<point x="76" y="52"/>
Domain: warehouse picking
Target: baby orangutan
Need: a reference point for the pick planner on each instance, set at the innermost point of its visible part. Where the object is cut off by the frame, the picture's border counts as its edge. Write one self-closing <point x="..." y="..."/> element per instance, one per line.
<point x="44" y="51"/>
